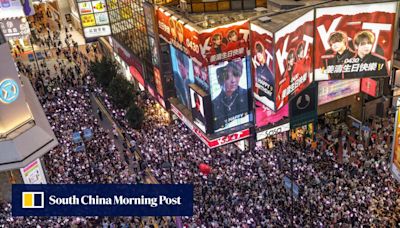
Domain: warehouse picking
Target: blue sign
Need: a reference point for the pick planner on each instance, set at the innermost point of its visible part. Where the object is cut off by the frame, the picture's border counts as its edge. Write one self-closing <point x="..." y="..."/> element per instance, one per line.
<point x="76" y="137"/>
<point x="79" y="148"/>
<point x="102" y="200"/>
<point x="87" y="133"/>
<point x="287" y="182"/>
<point x="9" y="91"/>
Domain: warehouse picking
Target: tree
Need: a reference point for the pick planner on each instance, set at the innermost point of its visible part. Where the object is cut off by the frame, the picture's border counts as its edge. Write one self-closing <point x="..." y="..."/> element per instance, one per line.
<point x="135" y="116"/>
<point x="121" y="91"/>
<point x="104" y="71"/>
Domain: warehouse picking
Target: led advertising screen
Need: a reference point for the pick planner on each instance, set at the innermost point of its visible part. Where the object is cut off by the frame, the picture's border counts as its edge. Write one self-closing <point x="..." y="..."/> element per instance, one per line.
<point x="94" y="18"/>
<point x="354" y="41"/>
<point x="304" y="132"/>
<point x="333" y="90"/>
<point x="183" y="75"/>
<point x="304" y="105"/>
<point x="225" y="42"/>
<point x="181" y="35"/>
<point x="201" y="76"/>
<point x="395" y="166"/>
<point x="369" y="86"/>
<point x="200" y="104"/>
<point x="293" y="53"/>
<point x="265" y="116"/>
<point x="263" y="65"/>
<point x="230" y="88"/>
<point x="158" y="81"/>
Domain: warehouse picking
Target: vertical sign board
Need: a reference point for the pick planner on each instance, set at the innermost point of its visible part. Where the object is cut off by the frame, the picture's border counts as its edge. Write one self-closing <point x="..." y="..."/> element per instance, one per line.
<point x="354" y="41"/>
<point x="33" y="173"/>
<point x="395" y="166"/>
<point x="14" y="110"/>
<point x="94" y="18"/>
<point x="262" y="58"/>
<point x="303" y="114"/>
<point x="293" y="54"/>
<point x="230" y="87"/>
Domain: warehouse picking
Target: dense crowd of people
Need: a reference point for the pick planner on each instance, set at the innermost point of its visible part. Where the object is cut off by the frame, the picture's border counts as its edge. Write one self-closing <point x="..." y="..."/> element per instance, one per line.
<point x="244" y="188"/>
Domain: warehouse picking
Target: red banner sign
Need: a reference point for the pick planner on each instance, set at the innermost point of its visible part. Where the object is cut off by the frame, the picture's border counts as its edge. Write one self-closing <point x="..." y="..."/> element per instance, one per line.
<point x="354" y="41"/>
<point x="212" y="143"/>
<point x="293" y="53"/>
<point x="181" y="35"/>
<point x="225" y="42"/>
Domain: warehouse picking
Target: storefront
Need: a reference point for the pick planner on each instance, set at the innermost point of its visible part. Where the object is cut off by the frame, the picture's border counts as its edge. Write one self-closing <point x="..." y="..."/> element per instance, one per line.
<point x="268" y="138"/>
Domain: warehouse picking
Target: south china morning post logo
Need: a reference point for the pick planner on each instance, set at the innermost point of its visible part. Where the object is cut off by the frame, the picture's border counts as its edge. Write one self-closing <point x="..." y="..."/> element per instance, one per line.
<point x="102" y="200"/>
<point x="32" y="200"/>
<point x="9" y="91"/>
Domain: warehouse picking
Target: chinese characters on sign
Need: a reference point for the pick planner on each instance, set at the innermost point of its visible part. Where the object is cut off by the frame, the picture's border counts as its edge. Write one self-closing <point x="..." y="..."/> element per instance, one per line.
<point x="354" y="43"/>
<point x="94" y="18"/>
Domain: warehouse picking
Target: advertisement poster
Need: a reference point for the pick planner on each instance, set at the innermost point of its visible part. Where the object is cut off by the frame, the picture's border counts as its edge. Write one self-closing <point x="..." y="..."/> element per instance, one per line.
<point x="182" y="36"/>
<point x="396" y="145"/>
<point x="183" y="75"/>
<point x="225" y="42"/>
<point x="94" y="18"/>
<point x="262" y="58"/>
<point x="15" y="28"/>
<point x="33" y="173"/>
<point x="303" y="133"/>
<point x="199" y="103"/>
<point x="293" y="53"/>
<point x="265" y="116"/>
<point x="354" y="41"/>
<point x="369" y="86"/>
<point x="88" y="20"/>
<point x="333" y="90"/>
<point x="158" y="81"/>
<point x="229" y="94"/>
<point x="201" y="77"/>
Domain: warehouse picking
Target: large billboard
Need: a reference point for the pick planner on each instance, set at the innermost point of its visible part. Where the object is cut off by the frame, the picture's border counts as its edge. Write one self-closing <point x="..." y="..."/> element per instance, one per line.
<point x="333" y="90"/>
<point x="181" y="35"/>
<point x="395" y="166"/>
<point x="354" y="41"/>
<point x="262" y="56"/>
<point x="230" y="88"/>
<point x="225" y="42"/>
<point x="200" y="106"/>
<point x="293" y="53"/>
<point x="183" y="75"/>
<point x="94" y="18"/>
<point x="265" y="116"/>
<point x="304" y="105"/>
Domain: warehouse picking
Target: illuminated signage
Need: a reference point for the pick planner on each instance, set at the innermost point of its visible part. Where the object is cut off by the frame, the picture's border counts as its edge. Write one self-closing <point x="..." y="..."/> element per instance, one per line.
<point x="273" y="131"/>
<point x="395" y="166"/>
<point x="212" y="143"/>
<point x="354" y="41"/>
<point x="9" y="91"/>
<point x="94" y="18"/>
<point x="333" y="90"/>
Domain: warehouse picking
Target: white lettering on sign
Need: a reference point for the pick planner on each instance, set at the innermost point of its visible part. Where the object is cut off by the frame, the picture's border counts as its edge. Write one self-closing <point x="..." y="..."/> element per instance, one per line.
<point x="273" y="131"/>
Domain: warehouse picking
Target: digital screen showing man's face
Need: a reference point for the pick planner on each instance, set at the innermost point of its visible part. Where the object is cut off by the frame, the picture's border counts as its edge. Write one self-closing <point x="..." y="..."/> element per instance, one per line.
<point x="179" y="31"/>
<point x="183" y="69"/>
<point x="173" y="29"/>
<point x="260" y="58"/>
<point x="231" y="83"/>
<point x="364" y="48"/>
<point x="291" y="60"/>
